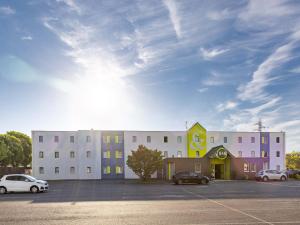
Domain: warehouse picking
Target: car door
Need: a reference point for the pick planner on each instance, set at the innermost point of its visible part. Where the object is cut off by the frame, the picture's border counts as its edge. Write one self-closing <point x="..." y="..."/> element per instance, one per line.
<point x="23" y="183"/>
<point x="10" y="183"/>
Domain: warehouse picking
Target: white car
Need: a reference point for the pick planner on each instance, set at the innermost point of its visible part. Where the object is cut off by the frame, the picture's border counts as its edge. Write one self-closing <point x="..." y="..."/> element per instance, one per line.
<point x="266" y="175"/>
<point x="22" y="183"/>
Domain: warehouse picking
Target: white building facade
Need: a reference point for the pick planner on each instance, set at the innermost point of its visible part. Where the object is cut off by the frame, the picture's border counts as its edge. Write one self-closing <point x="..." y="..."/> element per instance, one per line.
<point x="95" y="154"/>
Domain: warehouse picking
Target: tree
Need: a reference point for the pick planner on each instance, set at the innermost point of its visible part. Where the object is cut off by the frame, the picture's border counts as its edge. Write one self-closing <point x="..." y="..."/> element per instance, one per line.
<point x="293" y="160"/>
<point x="26" y="145"/>
<point x="3" y="153"/>
<point x="13" y="148"/>
<point x="145" y="162"/>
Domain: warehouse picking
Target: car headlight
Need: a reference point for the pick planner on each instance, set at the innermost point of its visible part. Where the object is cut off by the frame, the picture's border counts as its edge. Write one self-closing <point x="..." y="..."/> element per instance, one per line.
<point x="39" y="182"/>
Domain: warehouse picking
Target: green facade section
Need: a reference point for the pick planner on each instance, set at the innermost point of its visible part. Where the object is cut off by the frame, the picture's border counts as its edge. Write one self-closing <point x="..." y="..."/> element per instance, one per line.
<point x="196" y="141"/>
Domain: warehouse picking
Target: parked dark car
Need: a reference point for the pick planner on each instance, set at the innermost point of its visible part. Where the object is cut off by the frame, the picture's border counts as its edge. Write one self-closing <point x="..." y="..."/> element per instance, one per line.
<point x="190" y="177"/>
<point x="292" y="173"/>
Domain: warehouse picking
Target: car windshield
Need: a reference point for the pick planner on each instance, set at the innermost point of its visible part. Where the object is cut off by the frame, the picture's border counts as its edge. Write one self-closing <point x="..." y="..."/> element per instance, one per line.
<point x="31" y="178"/>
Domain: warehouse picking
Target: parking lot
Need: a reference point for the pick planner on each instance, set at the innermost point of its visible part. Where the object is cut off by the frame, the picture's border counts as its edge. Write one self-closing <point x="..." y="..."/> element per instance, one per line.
<point x="130" y="202"/>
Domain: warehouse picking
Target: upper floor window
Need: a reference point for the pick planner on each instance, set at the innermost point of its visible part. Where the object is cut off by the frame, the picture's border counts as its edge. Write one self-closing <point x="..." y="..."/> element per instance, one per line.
<point x="179" y="139"/>
<point x="165" y="139"/>
<point x="56" y="138"/>
<point x="88" y="169"/>
<point x="72" y="139"/>
<point x="41" y="170"/>
<point x="119" y="154"/>
<point x="56" y="155"/>
<point x="212" y="140"/>
<point x="277" y="139"/>
<point x="179" y="154"/>
<point x="41" y="139"/>
<point x="106" y="139"/>
<point x="88" y="138"/>
<point x="106" y="154"/>
<point x="277" y="153"/>
<point x="41" y="155"/>
<point x="264" y="154"/>
<point x="134" y="139"/>
<point x="72" y="154"/>
<point x="117" y="141"/>
<point x="240" y="140"/>
<point x="240" y="154"/>
<point x="196" y="138"/>
<point x="252" y="153"/>
<point x="197" y="154"/>
<point x="72" y="169"/>
<point x="56" y="170"/>
<point x="264" y="140"/>
<point x="148" y="139"/>
<point x="252" y="139"/>
<point x="88" y="154"/>
<point x="225" y="139"/>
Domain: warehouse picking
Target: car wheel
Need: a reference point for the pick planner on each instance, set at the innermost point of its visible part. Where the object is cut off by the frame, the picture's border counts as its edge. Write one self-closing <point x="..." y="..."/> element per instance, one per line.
<point x="265" y="178"/>
<point x="34" y="189"/>
<point x="204" y="181"/>
<point x="179" y="182"/>
<point x="2" y="190"/>
<point x="283" y="178"/>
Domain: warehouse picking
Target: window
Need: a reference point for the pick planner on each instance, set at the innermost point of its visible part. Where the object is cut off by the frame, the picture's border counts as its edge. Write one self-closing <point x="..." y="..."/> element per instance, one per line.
<point x="41" y="155"/>
<point x="56" y="138"/>
<point x="72" y="154"/>
<point x="106" y="154"/>
<point x="212" y="140"/>
<point x="197" y="167"/>
<point x="134" y="139"/>
<point x="56" y="170"/>
<point x="240" y="154"/>
<point x="41" y="139"/>
<point x="252" y="153"/>
<point x="88" y="169"/>
<point x="264" y="140"/>
<point x="117" y="139"/>
<point x="56" y="155"/>
<point x="266" y="165"/>
<point x="246" y="167"/>
<point x="119" y="170"/>
<point x="252" y="139"/>
<point x="252" y="167"/>
<point x="88" y="154"/>
<point x="264" y="154"/>
<point x="278" y="140"/>
<point x="197" y="154"/>
<point x="106" y="170"/>
<point x="278" y="154"/>
<point x="148" y="139"/>
<point x="165" y="139"/>
<point x="72" y="139"/>
<point x="240" y="140"/>
<point x="225" y="139"/>
<point x="72" y="170"/>
<point x="119" y="154"/>
<point x="166" y="154"/>
<point x="41" y="170"/>
<point x="88" y="138"/>
<point x="106" y="139"/>
<point x="179" y="154"/>
<point x="278" y="167"/>
<point x="179" y="139"/>
<point x="196" y="138"/>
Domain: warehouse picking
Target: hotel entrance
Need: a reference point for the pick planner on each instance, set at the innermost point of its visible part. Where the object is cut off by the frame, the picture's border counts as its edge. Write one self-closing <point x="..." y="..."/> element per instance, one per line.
<point x="219" y="171"/>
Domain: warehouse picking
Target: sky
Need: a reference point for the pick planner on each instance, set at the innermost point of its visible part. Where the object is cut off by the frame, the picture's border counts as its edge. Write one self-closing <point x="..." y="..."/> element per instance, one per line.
<point x="150" y="65"/>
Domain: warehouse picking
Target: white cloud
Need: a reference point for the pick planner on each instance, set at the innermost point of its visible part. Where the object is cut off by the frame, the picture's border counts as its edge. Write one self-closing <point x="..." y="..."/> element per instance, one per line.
<point x="72" y="5"/>
<point x="219" y="15"/>
<point x="295" y="70"/>
<point x="208" y="54"/>
<point x="201" y="90"/>
<point x="26" y="38"/>
<point x="226" y="106"/>
<point x="174" y="17"/>
<point x="7" y="10"/>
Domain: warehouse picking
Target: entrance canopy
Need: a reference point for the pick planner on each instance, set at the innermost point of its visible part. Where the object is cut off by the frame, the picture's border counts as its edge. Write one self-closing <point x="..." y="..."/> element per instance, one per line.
<point x="218" y="152"/>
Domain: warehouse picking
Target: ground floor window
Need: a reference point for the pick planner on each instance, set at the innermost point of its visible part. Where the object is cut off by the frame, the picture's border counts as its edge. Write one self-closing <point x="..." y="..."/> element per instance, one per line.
<point x="198" y="167"/>
<point x="252" y="167"/>
<point x="41" y="170"/>
<point x="72" y="169"/>
<point x="246" y="167"/>
<point x="89" y="169"/>
<point x="106" y="170"/>
<point x="278" y="167"/>
<point x="119" y="170"/>
<point x="179" y="154"/>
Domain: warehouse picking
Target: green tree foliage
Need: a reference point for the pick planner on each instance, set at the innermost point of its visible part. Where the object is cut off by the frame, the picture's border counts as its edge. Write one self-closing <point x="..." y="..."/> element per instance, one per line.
<point x="145" y="162"/>
<point x="13" y="149"/>
<point x="26" y="145"/>
<point x="3" y="153"/>
<point x="293" y="160"/>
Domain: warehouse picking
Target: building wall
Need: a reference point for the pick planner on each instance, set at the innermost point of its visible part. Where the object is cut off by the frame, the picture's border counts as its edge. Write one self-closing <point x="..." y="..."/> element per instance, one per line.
<point x="157" y="142"/>
<point x="274" y="147"/>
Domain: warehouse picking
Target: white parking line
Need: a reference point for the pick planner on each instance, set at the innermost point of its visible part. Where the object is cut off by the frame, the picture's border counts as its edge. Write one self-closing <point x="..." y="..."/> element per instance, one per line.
<point x="229" y="207"/>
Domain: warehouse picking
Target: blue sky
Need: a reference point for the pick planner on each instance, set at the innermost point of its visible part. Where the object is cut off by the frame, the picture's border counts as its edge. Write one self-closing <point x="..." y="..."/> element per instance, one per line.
<point x="150" y="65"/>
